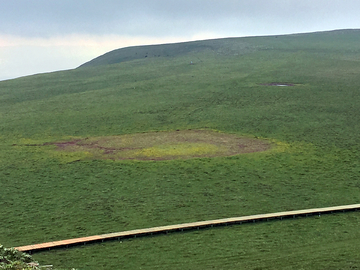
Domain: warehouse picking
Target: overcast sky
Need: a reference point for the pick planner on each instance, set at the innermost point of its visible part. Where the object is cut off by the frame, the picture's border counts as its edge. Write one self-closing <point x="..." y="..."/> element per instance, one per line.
<point x="48" y="35"/>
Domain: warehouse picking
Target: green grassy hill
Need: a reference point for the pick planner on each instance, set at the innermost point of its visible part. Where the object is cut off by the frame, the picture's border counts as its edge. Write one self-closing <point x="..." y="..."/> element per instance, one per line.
<point x="46" y="194"/>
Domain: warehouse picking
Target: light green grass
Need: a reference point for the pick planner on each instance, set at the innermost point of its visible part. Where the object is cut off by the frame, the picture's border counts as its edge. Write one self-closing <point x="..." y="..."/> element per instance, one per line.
<point x="315" y="125"/>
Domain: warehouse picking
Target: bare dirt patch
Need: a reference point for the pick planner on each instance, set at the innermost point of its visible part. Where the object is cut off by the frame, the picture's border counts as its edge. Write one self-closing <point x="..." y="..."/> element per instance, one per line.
<point x="278" y="84"/>
<point x="183" y="144"/>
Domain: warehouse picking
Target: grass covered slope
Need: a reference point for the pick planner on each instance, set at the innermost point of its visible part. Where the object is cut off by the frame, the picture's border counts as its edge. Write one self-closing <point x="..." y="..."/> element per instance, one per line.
<point x="47" y="194"/>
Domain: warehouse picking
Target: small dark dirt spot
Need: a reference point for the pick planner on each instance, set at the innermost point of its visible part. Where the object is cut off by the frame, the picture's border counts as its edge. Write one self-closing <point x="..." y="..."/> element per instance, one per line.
<point x="278" y="84"/>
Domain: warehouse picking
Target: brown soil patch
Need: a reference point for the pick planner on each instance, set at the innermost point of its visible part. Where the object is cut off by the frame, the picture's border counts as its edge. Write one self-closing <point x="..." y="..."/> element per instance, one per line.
<point x="278" y="84"/>
<point x="165" y="145"/>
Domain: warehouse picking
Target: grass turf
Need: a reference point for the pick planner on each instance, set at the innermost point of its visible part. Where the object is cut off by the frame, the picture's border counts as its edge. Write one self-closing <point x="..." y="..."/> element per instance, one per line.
<point x="47" y="195"/>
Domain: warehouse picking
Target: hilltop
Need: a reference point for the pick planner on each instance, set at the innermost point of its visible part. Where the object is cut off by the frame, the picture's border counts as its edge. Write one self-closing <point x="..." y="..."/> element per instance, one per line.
<point x="224" y="46"/>
<point x="169" y="50"/>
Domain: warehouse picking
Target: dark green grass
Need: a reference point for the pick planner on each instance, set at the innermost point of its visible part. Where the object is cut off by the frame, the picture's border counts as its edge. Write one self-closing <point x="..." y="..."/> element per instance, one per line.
<point x="46" y="195"/>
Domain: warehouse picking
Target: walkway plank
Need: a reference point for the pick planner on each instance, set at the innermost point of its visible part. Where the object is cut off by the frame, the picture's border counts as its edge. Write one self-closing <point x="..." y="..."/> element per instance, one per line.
<point x="183" y="226"/>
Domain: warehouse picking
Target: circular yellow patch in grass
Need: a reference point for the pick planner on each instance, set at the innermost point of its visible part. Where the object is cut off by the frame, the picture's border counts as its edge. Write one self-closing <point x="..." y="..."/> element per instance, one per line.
<point x="166" y="145"/>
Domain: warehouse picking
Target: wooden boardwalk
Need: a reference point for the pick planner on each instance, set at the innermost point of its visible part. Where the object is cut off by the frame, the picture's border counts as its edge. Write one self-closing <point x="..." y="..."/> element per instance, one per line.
<point x="185" y="226"/>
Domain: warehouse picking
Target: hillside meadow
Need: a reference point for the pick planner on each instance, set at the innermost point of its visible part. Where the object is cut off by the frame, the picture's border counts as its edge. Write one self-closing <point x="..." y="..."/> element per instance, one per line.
<point x="231" y="87"/>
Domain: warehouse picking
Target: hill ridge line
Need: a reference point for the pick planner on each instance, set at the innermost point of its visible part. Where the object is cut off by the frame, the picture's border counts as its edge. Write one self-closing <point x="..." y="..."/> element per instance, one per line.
<point x="182" y="226"/>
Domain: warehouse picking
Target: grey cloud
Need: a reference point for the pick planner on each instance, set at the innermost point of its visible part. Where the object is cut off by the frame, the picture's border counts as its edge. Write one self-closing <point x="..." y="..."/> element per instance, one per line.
<point x="169" y="17"/>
